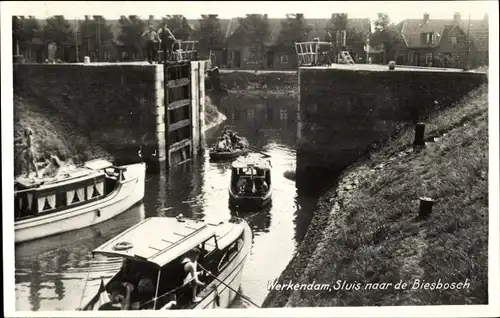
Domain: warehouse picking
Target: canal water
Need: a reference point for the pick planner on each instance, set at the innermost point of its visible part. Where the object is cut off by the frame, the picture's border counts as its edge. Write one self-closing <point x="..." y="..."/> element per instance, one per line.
<point x="51" y="272"/>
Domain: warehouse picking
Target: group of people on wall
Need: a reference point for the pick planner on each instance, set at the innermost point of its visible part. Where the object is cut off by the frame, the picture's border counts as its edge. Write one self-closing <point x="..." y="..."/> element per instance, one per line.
<point x="161" y="39"/>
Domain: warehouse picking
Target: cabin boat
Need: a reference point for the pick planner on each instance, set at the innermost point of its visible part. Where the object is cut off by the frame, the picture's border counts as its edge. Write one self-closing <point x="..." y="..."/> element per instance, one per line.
<point x="250" y="181"/>
<point x="153" y="250"/>
<point x="83" y="196"/>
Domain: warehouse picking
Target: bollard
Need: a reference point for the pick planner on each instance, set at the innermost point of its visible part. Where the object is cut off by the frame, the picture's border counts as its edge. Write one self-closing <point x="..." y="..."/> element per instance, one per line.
<point x="392" y="65"/>
<point x="86" y="60"/>
<point x="419" y="141"/>
<point x="425" y="207"/>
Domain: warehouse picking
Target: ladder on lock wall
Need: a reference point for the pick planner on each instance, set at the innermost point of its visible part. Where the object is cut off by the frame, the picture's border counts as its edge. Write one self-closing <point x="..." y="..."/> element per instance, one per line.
<point x="345" y="58"/>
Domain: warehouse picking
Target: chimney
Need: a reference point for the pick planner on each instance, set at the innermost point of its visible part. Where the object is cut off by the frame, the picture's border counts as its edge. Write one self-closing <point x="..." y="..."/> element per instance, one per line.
<point x="457" y="17"/>
<point x="151" y="18"/>
<point x="426" y="18"/>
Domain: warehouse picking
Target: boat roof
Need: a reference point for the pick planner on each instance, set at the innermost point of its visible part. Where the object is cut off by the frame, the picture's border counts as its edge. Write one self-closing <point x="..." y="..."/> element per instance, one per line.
<point x="67" y="175"/>
<point x="256" y="160"/>
<point x="160" y="240"/>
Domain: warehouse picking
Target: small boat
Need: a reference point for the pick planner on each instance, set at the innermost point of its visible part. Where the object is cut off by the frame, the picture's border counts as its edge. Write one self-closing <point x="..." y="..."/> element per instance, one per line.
<point x="250" y="184"/>
<point x="228" y="155"/>
<point x="152" y="252"/>
<point x="83" y="196"/>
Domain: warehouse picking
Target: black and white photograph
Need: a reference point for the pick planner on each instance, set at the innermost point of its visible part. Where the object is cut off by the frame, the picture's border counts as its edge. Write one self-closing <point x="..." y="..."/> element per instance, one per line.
<point x="250" y="158"/>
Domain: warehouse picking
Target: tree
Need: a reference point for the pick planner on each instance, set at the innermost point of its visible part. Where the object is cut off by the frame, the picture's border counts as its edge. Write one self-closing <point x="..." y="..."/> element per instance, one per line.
<point x="337" y="26"/>
<point x="94" y="32"/>
<point x="385" y="34"/>
<point x="294" y="29"/>
<point x="382" y="22"/>
<point x="254" y="29"/>
<point x="24" y="30"/>
<point x="57" y="30"/>
<point x="178" y="25"/>
<point x="210" y="32"/>
<point x="130" y="36"/>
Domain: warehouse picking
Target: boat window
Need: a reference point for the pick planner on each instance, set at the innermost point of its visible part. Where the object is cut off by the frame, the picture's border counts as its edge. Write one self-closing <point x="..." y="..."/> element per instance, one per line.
<point x="75" y="196"/>
<point x="209" y="245"/>
<point x="230" y="252"/>
<point x="24" y="204"/>
<point x="46" y="202"/>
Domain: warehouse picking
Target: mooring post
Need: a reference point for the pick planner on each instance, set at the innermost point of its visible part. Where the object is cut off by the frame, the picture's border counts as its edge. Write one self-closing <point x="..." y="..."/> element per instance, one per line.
<point x="425" y="207"/>
<point x="419" y="141"/>
<point x="392" y="65"/>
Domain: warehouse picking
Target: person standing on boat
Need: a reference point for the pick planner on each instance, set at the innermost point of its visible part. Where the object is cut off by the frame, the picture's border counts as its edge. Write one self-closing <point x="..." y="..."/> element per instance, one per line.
<point x="29" y="152"/>
<point x="190" y="264"/>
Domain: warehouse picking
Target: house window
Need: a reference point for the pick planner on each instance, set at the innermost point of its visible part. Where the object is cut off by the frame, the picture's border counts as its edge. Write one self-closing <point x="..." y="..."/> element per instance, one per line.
<point x="428" y="59"/>
<point x="284" y="59"/>
<point x="428" y="38"/>
<point x="283" y="114"/>
<point x="453" y="40"/>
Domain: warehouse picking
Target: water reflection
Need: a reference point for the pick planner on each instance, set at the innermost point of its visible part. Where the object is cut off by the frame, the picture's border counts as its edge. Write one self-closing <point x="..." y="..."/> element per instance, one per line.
<point x="50" y="272"/>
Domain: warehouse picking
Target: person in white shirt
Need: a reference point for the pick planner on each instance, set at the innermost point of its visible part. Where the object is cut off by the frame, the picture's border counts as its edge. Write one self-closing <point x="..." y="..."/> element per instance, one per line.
<point x="152" y="40"/>
<point x="190" y="264"/>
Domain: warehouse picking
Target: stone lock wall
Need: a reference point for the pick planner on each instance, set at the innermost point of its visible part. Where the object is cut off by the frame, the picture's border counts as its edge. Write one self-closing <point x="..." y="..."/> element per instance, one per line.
<point x="342" y="111"/>
<point x="120" y="106"/>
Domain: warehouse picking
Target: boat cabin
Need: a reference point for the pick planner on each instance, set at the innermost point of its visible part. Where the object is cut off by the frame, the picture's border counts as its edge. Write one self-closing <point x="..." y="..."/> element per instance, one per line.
<point x="153" y="252"/>
<point x="251" y="175"/>
<point x="79" y="186"/>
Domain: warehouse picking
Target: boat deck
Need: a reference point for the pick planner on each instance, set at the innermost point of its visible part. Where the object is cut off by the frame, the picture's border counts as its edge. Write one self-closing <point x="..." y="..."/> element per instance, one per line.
<point x="67" y="174"/>
<point x="160" y="240"/>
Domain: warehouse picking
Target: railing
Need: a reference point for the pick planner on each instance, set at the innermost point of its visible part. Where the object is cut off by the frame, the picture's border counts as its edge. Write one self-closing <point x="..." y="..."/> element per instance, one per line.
<point x="313" y="53"/>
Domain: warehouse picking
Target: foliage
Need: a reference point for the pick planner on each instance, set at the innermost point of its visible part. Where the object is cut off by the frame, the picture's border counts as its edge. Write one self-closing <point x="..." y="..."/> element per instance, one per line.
<point x="339" y="21"/>
<point x="178" y="25"/>
<point x="294" y="29"/>
<point x="382" y="21"/>
<point x="24" y="30"/>
<point x="255" y="28"/>
<point x="210" y="32"/>
<point x="58" y="30"/>
<point x="92" y="29"/>
<point x="132" y="28"/>
<point x="386" y="34"/>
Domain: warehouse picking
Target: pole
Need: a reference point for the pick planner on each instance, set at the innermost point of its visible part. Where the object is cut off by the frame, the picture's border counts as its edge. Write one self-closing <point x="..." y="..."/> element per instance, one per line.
<point x="98" y="38"/>
<point x="76" y="41"/>
<point x="468" y="47"/>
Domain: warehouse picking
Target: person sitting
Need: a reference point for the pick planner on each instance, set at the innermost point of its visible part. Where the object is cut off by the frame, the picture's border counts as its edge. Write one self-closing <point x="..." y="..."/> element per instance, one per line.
<point x="221" y="145"/>
<point x="120" y="295"/>
<point x="190" y="264"/>
<point x="240" y="185"/>
<point x="53" y="167"/>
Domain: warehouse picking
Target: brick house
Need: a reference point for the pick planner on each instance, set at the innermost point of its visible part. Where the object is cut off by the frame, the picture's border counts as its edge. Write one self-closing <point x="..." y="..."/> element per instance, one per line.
<point x="272" y="55"/>
<point x="440" y="42"/>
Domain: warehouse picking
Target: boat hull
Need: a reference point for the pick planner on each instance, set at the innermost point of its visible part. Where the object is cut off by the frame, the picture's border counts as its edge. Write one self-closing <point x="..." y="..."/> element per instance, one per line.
<point x="231" y="276"/>
<point x="249" y="201"/>
<point x="127" y="194"/>
<point x="221" y="156"/>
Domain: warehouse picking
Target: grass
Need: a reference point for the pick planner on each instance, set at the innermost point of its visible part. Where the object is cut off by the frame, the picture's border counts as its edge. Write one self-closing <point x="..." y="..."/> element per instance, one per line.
<point x="370" y="233"/>
<point x="52" y="135"/>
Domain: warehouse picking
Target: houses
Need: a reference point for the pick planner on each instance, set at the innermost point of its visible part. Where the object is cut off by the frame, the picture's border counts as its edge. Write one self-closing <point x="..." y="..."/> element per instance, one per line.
<point x="450" y="42"/>
<point x="443" y="43"/>
<point x="242" y="53"/>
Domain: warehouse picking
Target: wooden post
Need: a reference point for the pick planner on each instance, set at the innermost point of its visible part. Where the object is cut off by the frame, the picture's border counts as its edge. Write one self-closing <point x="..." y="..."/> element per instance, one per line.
<point x="201" y="104"/>
<point x="194" y="106"/>
<point x="160" y="113"/>
<point x="419" y="141"/>
<point x="425" y="207"/>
